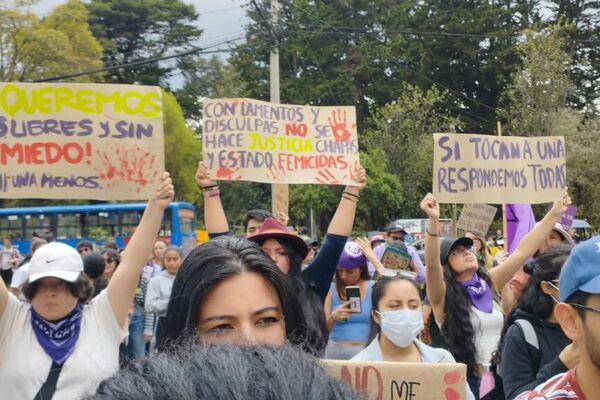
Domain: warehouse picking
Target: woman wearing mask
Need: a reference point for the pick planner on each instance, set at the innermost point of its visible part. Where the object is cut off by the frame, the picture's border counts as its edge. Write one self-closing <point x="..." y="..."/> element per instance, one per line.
<point x="289" y="250"/>
<point x="62" y="345"/>
<point x="461" y="294"/>
<point x="396" y="322"/>
<point x="159" y="288"/>
<point x="229" y="291"/>
<point x="349" y="329"/>
<point x="534" y="347"/>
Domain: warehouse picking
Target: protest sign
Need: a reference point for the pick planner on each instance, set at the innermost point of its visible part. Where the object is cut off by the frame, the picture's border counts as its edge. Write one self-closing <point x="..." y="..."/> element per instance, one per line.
<point x="402" y="381"/>
<point x="567" y="217"/>
<point x="80" y="141"/>
<point x="251" y="140"/>
<point x="476" y="218"/>
<point x="395" y="258"/>
<point x="496" y="170"/>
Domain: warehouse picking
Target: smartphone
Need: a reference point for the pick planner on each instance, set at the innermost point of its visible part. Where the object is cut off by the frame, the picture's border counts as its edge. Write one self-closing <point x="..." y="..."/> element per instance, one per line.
<point x="353" y="296"/>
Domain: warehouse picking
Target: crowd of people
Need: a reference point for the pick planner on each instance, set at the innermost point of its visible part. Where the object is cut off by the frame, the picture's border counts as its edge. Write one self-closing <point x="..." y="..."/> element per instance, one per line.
<point x="252" y="315"/>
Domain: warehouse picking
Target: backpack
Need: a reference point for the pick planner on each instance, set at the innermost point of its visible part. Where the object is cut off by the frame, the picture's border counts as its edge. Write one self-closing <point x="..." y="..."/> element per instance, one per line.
<point x="531" y="338"/>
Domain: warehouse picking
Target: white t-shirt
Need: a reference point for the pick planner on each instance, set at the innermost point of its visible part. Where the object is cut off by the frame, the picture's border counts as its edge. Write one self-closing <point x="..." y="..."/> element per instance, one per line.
<point x="24" y="365"/>
<point x="487" y="327"/>
<point x="20" y="276"/>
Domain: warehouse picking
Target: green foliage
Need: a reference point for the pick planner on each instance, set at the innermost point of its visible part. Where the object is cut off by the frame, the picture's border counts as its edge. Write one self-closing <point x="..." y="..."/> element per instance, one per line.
<point x="134" y="30"/>
<point x="182" y="150"/>
<point x="60" y="44"/>
<point x="402" y="130"/>
<point x="99" y="233"/>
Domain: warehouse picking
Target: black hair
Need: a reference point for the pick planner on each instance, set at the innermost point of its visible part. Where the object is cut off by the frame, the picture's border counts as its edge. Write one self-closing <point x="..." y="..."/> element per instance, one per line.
<point x="339" y="285"/>
<point x="457" y="330"/>
<point x="82" y="288"/>
<point x="225" y="372"/>
<point x="546" y="267"/>
<point x="209" y="264"/>
<point x="112" y="255"/>
<point x="581" y="298"/>
<point x="175" y="249"/>
<point x="93" y="264"/>
<point x="312" y="306"/>
<point x="258" y="214"/>
<point x="111" y="244"/>
<point x="378" y="292"/>
<point x="85" y="243"/>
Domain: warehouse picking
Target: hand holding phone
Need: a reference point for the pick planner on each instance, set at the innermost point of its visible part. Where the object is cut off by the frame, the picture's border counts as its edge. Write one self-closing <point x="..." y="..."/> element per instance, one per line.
<point x="353" y="296"/>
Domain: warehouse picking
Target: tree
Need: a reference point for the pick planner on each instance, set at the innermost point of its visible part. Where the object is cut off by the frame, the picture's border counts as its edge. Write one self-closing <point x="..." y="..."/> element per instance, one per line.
<point x="60" y="44"/>
<point x="133" y="30"/>
<point x="206" y="78"/>
<point x="182" y="150"/>
<point x="402" y="129"/>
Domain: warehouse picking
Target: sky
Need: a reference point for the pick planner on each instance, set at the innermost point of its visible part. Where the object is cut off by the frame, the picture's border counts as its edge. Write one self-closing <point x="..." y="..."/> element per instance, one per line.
<point x="220" y="20"/>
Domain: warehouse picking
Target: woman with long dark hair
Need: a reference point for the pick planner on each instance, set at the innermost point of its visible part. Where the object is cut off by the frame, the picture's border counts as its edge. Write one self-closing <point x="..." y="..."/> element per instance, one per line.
<point x="533" y="346"/>
<point x="229" y="290"/>
<point x="397" y="321"/>
<point x="288" y="250"/>
<point x="461" y="293"/>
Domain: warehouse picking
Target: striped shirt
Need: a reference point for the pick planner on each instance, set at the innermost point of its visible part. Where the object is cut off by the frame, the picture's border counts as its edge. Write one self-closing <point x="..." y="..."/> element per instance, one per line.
<point x="560" y="387"/>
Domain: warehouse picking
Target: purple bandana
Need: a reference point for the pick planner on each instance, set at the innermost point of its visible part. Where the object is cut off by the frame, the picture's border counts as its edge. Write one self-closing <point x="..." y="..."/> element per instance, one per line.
<point x="480" y="293"/>
<point x="58" y="339"/>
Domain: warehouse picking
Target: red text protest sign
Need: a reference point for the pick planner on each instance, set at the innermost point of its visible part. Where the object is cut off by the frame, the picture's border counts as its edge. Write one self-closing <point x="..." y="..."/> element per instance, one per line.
<point x="245" y="139"/>
<point x="80" y="141"/>
<point x="402" y="381"/>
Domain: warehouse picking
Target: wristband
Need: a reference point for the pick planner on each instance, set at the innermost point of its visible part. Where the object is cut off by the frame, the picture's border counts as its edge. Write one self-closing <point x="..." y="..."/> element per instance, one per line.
<point x="211" y="187"/>
<point x="429" y="233"/>
<point x="350" y="199"/>
<point x="351" y="194"/>
<point x="212" y="193"/>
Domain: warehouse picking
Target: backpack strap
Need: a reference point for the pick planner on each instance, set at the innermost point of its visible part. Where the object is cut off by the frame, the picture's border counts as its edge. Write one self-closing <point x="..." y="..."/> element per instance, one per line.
<point x="48" y="388"/>
<point x="529" y="332"/>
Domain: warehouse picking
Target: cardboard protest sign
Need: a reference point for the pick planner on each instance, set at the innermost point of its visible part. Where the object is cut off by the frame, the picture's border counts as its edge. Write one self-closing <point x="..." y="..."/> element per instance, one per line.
<point x="251" y="140"/>
<point x="80" y="141"/>
<point x="395" y="258"/>
<point x="476" y="218"/>
<point x="496" y="170"/>
<point x="402" y="381"/>
<point x="567" y="217"/>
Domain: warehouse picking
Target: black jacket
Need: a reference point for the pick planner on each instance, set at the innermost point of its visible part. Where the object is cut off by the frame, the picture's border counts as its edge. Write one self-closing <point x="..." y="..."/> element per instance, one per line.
<point x="523" y="367"/>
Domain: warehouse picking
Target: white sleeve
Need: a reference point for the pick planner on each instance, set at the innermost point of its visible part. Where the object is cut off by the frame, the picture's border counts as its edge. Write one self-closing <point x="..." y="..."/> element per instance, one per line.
<point x="14" y="314"/>
<point x="101" y="311"/>
<point x="19" y="277"/>
<point x="154" y="302"/>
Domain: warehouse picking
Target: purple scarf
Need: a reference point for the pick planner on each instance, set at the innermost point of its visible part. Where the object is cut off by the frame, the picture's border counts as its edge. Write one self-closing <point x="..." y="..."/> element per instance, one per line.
<point x="58" y="339"/>
<point x="480" y="293"/>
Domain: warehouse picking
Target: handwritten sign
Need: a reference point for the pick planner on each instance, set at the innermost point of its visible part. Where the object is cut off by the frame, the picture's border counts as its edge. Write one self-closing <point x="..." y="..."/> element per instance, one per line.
<point x="245" y="139"/>
<point x="495" y="170"/>
<point x="476" y="218"/>
<point x="395" y="258"/>
<point x="80" y="141"/>
<point x="402" y="381"/>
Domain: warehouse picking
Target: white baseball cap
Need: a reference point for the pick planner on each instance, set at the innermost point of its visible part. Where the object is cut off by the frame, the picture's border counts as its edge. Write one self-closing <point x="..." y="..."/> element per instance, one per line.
<point x="56" y="260"/>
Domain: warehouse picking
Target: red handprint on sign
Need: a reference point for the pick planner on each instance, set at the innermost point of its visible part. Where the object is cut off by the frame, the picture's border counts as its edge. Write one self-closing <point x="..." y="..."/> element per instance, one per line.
<point x="133" y="166"/>
<point x="325" y="177"/>
<point x="339" y="126"/>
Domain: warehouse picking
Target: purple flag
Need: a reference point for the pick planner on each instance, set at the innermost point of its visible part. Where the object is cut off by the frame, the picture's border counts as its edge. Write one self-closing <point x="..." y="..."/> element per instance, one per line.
<point x="566" y="219"/>
<point x="519" y="221"/>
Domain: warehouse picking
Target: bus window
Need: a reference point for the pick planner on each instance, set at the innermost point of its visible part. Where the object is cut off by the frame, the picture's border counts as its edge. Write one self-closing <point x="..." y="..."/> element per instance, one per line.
<point x="68" y="226"/>
<point x="107" y="221"/>
<point x="166" y="226"/>
<point x="11" y="225"/>
<point x="128" y="221"/>
<point x="38" y="223"/>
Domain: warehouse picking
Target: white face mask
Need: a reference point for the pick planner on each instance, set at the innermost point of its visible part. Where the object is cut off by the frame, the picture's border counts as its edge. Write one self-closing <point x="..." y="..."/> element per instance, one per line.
<point x="401" y="326"/>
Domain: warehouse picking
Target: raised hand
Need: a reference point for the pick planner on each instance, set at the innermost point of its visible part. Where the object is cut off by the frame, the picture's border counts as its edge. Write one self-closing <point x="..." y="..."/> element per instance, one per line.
<point x="365" y="246"/>
<point x="359" y="175"/>
<point x="430" y="206"/>
<point x="165" y="192"/>
<point x="202" y="175"/>
<point x="561" y="205"/>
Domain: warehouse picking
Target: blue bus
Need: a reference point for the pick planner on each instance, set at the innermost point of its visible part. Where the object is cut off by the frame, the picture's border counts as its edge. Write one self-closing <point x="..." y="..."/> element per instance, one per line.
<point x="71" y="224"/>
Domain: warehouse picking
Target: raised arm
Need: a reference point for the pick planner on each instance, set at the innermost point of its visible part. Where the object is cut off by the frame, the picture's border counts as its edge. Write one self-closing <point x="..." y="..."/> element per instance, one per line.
<point x="530" y="244"/>
<point x="214" y="215"/>
<point x="343" y="219"/>
<point x="434" y="272"/>
<point x="124" y="282"/>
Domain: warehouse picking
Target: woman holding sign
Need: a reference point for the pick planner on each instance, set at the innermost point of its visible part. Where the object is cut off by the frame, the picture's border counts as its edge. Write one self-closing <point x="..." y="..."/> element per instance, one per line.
<point x="64" y="344"/>
<point x="461" y="293"/>
<point x="288" y="250"/>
